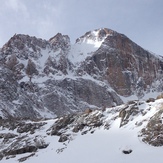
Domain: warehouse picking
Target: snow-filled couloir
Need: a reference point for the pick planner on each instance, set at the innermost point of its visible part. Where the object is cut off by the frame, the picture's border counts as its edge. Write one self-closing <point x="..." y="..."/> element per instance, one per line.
<point x="86" y="45"/>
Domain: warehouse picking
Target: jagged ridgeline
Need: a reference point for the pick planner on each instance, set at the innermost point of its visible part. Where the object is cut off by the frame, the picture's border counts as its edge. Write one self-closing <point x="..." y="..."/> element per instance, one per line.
<point x="48" y="78"/>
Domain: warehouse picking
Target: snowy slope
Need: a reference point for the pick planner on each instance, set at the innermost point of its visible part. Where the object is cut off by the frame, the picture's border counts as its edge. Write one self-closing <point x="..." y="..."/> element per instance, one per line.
<point x="96" y="142"/>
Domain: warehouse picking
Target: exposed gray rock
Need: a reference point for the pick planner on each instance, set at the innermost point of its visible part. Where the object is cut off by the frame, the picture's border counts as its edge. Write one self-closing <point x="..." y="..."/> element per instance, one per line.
<point x="7" y="135"/>
<point x="151" y="100"/>
<point x="153" y="132"/>
<point x="22" y="150"/>
<point x="29" y="127"/>
<point x="127" y="113"/>
<point x="63" y="138"/>
<point x="25" y="158"/>
<point x="127" y="151"/>
<point x="20" y="143"/>
<point x="69" y="95"/>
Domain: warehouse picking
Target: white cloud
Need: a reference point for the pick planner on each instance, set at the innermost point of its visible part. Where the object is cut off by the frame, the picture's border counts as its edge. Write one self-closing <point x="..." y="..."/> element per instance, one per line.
<point x="17" y="6"/>
<point x="13" y="4"/>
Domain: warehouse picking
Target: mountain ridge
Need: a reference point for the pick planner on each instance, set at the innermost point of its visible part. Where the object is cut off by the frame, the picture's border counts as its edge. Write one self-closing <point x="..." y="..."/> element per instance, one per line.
<point x="58" y="78"/>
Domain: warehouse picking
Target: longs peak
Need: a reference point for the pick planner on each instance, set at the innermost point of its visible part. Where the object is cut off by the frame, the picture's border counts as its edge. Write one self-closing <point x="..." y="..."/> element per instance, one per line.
<point x="102" y="69"/>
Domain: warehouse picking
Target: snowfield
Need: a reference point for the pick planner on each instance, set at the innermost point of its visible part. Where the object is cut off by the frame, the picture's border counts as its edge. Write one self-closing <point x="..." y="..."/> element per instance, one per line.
<point x="99" y="144"/>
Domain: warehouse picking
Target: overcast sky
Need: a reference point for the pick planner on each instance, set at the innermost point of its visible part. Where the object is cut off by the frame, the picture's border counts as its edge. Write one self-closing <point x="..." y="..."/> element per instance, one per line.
<point x="140" y="20"/>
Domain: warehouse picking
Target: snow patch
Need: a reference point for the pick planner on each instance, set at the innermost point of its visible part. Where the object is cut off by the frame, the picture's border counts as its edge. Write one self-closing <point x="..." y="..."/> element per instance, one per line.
<point x="84" y="48"/>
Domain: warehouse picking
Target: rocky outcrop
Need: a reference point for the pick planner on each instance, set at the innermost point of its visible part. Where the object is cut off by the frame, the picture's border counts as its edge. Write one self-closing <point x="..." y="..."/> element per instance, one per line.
<point x="24" y="141"/>
<point x="79" y="93"/>
<point x="24" y="46"/>
<point x="153" y="132"/>
<point x="81" y="122"/>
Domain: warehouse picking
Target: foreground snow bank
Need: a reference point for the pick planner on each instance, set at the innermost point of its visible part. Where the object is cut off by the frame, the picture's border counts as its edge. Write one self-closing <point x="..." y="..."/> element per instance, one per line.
<point x="95" y="136"/>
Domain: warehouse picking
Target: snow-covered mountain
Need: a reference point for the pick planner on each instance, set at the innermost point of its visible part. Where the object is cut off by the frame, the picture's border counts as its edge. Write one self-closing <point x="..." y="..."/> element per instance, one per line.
<point x="127" y="133"/>
<point x="49" y="78"/>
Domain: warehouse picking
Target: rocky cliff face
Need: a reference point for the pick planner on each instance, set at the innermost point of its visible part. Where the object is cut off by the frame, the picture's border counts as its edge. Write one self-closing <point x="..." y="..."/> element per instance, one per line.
<point x="124" y="65"/>
<point x="48" y="78"/>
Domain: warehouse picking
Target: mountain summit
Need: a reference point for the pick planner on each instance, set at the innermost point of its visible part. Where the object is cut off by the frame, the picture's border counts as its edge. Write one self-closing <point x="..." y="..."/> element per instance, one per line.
<point x="47" y="78"/>
<point x="97" y="35"/>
